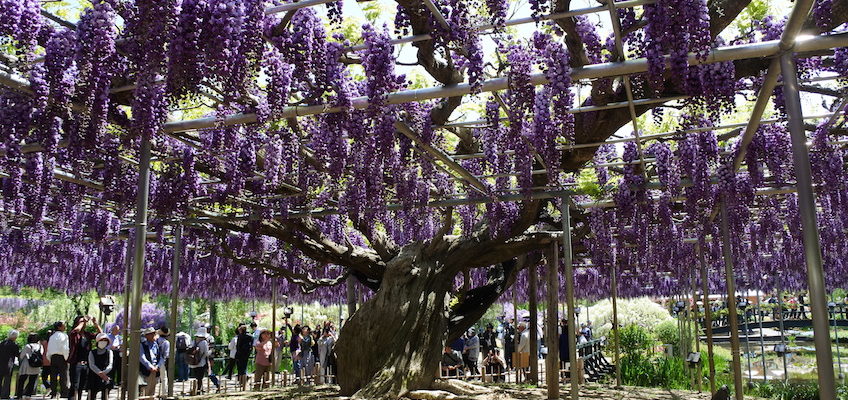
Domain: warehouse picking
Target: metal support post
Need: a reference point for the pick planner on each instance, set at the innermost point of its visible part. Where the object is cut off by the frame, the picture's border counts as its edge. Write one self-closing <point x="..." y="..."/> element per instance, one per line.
<point x="782" y="336"/>
<point x="732" y="315"/>
<point x="126" y="328"/>
<point x="552" y="359"/>
<point x="274" y="365"/>
<point x="708" y="315"/>
<point x="836" y="336"/>
<point x="615" y="326"/>
<point x="762" y="343"/>
<point x="747" y="338"/>
<point x="569" y="296"/>
<point x="175" y="295"/>
<point x="809" y="227"/>
<point x="696" y="329"/>
<point x="134" y="341"/>
<point x="534" y="324"/>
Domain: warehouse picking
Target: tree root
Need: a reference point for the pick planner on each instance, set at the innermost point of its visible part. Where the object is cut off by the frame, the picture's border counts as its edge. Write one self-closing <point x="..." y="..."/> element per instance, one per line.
<point x="430" y="395"/>
<point x="460" y="387"/>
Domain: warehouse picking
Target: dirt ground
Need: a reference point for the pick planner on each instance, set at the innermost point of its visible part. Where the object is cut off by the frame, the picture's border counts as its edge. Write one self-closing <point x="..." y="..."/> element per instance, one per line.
<point x="504" y="392"/>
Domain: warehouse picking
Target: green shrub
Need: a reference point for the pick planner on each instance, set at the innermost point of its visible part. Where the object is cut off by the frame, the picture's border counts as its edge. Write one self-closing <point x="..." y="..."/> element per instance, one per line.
<point x="635" y="339"/>
<point x="667" y="332"/>
<point x="789" y="391"/>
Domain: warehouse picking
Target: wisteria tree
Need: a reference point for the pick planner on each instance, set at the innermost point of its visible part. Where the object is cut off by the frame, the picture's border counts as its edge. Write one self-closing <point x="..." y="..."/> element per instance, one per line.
<point x="365" y="187"/>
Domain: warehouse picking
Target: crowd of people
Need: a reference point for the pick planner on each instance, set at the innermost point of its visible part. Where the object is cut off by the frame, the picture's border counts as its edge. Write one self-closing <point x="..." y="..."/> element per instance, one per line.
<point x="81" y="359"/>
<point x="87" y="359"/>
<point x="464" y="356"/>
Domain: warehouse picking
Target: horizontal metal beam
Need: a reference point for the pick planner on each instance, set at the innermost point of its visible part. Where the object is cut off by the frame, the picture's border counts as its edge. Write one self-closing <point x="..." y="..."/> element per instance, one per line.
<point x="635" y="66"/>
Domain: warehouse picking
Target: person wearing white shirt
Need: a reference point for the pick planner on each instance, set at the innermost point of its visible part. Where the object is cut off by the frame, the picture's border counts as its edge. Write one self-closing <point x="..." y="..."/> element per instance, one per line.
<point x="58" y="350"/>
<point x="117" y="341"/>
<point x="164" y="355"/>
<point x="523" y="349"/>
<point x="231" y="356"/>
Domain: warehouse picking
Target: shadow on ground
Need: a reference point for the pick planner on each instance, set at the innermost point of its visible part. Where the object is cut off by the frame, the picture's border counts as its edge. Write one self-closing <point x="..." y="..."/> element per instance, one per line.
<point x="498" y="392"/>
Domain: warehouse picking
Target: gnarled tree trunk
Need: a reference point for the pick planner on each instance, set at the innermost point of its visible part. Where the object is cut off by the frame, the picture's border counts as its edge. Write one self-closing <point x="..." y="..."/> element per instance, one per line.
<point x="392" y="344"/>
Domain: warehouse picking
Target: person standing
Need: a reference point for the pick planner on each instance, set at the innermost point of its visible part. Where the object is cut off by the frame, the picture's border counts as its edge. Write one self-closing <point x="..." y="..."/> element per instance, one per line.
<point x="522" y="350"/>
<point x="294" y="350"/>
<point x="31" y="360"/>
<point x="244" y="345"/>
<point x="116" y="342"/>
<point x="210" y="356"/>
<point x="231" y="356"/>
<point x="101" y="361"/>
<point x="488" y="340"/>
<point x="307" y="361"/>
<point x="325" y="351"/>
<point x="279" y="346"/>
<point x="150" y="362"/>
<point x="263" y="359"/>
<point x="9" y="352"/>
<point x="181" y="344"/>
<point x="197" y="356"/>
<point x="58" y="349"/>
<point x="472" y="351"/>
<point x="509" y="342"/>
<point x="79" y="342"/>
<point x="164" y="354"/>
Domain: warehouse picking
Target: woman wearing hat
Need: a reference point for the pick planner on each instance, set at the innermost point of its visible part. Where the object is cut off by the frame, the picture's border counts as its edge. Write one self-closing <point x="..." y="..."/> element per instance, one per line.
<point x="100" y="363"/>
<point x="197" y="356"/>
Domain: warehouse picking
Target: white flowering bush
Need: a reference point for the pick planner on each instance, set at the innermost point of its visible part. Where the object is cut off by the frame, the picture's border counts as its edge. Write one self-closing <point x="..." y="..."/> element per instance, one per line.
<point x="640" y="311"/>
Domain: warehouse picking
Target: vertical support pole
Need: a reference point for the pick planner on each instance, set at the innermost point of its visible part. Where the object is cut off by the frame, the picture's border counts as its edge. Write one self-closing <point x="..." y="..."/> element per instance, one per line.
<point x="708" y="314"/>
<point x="782" y="336"/>
<point x="274" y="365"/>
<point x="134" y="340"/>
<point x="747" y="338"/>
<point x="534" y="324"/>
<point x="515" y="323"/>
<point x="351" y="296"/>
<point x="762" y="343"/>
<point x="126" y="327"/>
<point x="696" y="329"/>
<point x="175" y="295"/>
<point x="836" y="336"/>
<point x="569" y="295"/>
<point x="732" y="314"/>
<point x="809" y="227"/>
<point x="552" y="359"/>
<point x="615" y="327"/>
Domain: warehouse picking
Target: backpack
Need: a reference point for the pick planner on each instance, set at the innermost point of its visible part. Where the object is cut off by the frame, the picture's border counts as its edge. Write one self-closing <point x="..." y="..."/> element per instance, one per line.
<point x="182" y="343"/>
<point x="36" y="360"/>
<point x="193" y="355"/>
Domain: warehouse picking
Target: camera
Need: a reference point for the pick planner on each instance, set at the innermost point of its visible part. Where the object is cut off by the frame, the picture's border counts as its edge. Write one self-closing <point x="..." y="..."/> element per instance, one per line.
<point x="288" y="311"/>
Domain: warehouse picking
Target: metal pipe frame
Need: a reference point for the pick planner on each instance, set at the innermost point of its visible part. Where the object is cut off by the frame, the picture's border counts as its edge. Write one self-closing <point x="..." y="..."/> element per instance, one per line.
<point x="604" y="70"/>
<point x="533" y="281"/>
<point x="809" y="227"/>
<point x="274" y="330"/>
<point x="708" y="313"/>
<point x="836" y="337"/>
<point x="519" y="21"/>
<point x="551" y="337"/>
<point x="697" y="329"/>
<point x="569" y="296"/>
<point x="782" y="335"/>
<point x="138" y="269"/>
<point x="762" y="343"/>
<point x="615" y="327"/>
<point x="126" y="327"/>
<point x="747" y="341"/>
<point x="175" y="295"/>
<point x="732" y="314"/>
